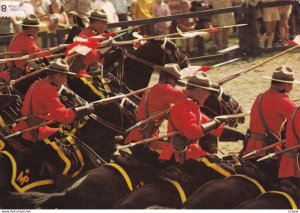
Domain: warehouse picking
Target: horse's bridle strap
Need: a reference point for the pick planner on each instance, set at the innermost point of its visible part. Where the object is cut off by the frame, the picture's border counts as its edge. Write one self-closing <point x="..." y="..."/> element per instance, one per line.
<point x="252" y="180"/>
<point x="123" y="173"/>
<point x="286" y="195"/>
<point x="94" y="89"/>
<point x="179" y="189"/>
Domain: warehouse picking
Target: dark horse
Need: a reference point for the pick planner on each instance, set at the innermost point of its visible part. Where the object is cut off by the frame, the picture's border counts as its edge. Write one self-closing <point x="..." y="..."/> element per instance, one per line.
<point x="104" y="186"/>
<point x="287" y="196"/>
<point x="177" y="183"/>
<point x="249" y="181"/>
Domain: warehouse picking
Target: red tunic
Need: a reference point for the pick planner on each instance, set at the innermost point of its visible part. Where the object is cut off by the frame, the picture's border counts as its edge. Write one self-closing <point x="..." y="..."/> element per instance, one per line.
<point x="46" y="105"/>
<point x="187" y="117"/>
<point x="160" y="97"/>
<point x="25" y="44"/>
<point x="276" y="107"/>
<point x="288" y="165"/>
<point x="94" y="55"/>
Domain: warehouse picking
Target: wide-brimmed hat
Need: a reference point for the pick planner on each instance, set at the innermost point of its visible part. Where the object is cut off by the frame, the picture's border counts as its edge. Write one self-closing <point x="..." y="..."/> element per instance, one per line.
<point x="200" y="80"/>
<point x="172" y="68"/>
<point x="98" y="14"/>
<point x="284" y="74"/>
<point x="59" y="65"/>
<point x="31" y="21"/>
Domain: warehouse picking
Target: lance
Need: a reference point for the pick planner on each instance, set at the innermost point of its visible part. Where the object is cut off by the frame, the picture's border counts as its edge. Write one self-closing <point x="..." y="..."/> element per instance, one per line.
<point x="296" y="99"/>
<point x="111" y="99"/>
<point x="148" y="119"/>
<point x="12" y="82"/>
<point x="177" y="34"/>
<point x="231" y="77"/>
<point x="271" y="155"/>
<point x="47" y="57"/>
<point x="225" y="117"/>
<point x="256" y="151"/>
<point x="8" y="53"/>
<point x="30" y="129"/>
<point x="148" y="140"/>
<point x="26" y="57"/>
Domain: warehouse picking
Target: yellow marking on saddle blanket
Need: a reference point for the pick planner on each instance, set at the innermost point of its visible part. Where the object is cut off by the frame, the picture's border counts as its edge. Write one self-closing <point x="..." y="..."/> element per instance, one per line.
<point x="214" y="166"/>
<point x="23" y="178"/>
<point x="64" y="157"/>
<point x="179" y="189"/>
<point x="255" y="182"/>
<point x="286" y="195"/>
<point x="94" y="89"/>
<point x="2" y="123"/>
<point x="2" y="145"/>
<point x="123" y="173"/>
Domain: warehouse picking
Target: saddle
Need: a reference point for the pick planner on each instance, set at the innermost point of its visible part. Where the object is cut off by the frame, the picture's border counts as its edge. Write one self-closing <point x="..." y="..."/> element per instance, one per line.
<point x="175" y="173"/>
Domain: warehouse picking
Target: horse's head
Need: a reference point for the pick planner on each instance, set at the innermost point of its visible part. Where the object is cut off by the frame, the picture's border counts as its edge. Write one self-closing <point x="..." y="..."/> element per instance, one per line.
<point x="222" y="103"/>
<point x="138" y="70"/>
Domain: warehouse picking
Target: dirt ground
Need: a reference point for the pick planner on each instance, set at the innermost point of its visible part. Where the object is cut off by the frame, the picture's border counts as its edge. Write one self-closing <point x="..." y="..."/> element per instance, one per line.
<point x="246" y="87"/>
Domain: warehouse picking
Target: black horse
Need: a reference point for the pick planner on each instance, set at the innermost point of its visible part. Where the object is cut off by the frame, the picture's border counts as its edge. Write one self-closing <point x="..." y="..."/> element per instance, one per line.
<point x="249" y="181"/>
<point x="286" y="196"/>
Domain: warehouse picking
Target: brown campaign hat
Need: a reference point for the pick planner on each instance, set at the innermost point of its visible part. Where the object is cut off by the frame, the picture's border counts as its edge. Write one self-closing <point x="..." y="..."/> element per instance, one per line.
<point x="172" y="68"/>
<point x="284" y="74"/>
<point x="200" y="80"/>
<point x="98" y="14"/>
<point x="59" y="65"/>
<point x="31" y="21"/>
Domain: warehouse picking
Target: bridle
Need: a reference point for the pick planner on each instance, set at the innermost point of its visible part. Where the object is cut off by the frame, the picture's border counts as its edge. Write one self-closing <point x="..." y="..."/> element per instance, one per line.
<point x="178" y="54"/>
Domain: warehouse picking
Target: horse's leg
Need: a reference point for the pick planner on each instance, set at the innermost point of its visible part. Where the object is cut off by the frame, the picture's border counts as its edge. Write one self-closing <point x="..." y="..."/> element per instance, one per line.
<point x="222" y="194"/>
<point x="154" y="194"/>
<point x="273" y="201"/>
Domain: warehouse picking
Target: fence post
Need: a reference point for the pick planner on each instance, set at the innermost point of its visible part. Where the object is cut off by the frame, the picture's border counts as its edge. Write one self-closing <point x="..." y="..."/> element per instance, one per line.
<point x="60" y="34"/>
<point x="247" y="34"/>
<point x="44" y="36"/>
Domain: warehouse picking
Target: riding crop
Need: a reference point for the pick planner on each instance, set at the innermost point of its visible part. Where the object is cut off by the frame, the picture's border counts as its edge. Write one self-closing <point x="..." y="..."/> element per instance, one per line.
<point x="271" y="155"/>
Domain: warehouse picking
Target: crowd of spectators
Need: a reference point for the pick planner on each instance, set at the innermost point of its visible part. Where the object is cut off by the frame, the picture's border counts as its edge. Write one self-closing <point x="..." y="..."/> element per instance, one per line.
<point x="58" y="14"/>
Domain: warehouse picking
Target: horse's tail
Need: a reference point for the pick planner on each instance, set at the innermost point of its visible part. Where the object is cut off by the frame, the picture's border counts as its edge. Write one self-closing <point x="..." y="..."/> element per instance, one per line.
<point x="37" y="200"/>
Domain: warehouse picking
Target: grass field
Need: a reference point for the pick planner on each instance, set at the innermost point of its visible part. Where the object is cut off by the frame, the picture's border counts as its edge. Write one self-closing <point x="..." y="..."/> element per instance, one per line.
<point x="246" y="87"/>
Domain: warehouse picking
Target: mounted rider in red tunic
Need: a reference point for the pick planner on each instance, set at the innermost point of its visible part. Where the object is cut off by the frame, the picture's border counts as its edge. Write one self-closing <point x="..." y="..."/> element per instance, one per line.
<point x="22" y="44"/>
<point x="41" y="104"/>
<point x="269" y="111"/>
<point x="187" y="119"/>
<point x="156" y="100"/>
<point x="98" y="24"/>
<point x="290" y="161"/>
